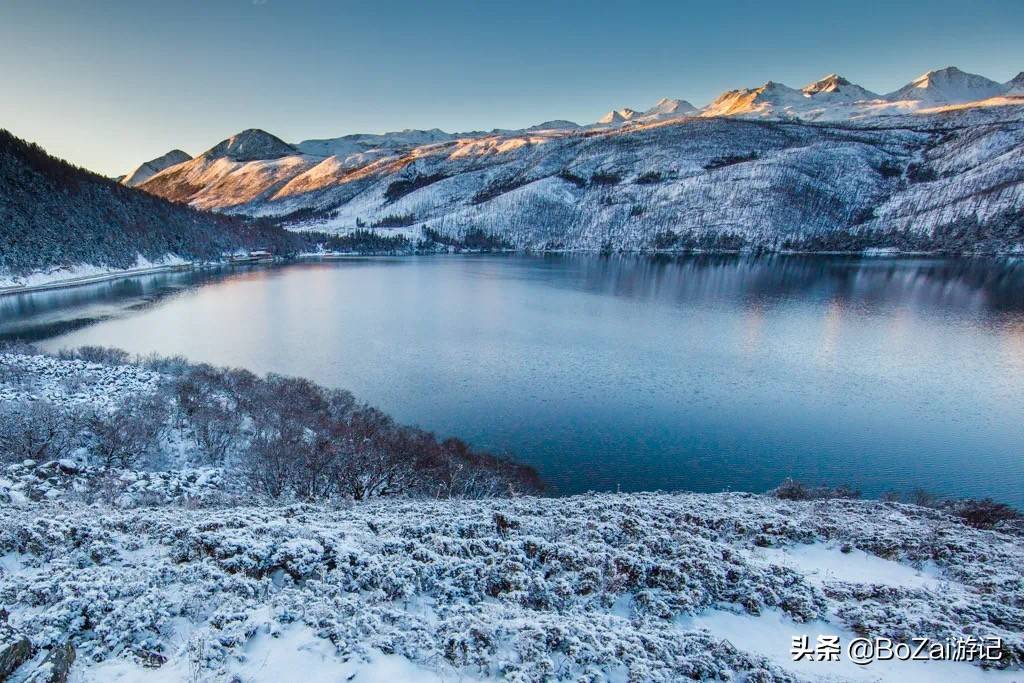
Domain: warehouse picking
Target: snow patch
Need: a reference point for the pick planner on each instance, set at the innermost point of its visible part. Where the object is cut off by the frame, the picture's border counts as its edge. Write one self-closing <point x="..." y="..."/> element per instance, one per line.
<point x="822" y="563"/>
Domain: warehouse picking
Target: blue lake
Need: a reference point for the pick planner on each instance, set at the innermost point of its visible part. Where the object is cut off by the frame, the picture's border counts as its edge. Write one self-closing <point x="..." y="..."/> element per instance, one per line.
<point x="701" y="373"/>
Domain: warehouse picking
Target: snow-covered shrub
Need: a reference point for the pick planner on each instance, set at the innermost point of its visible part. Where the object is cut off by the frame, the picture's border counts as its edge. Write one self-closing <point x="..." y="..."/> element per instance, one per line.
<point x="279" y="437"/>
<point x="594" y="588"/>
<point x="37" y="430"/>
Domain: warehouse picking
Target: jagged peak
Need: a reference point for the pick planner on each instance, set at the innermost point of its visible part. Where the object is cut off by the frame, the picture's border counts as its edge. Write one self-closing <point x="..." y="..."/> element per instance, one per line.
<point x="618" y="115"/>
<point x="251" y="144"/>
<point x="829" y="83"/>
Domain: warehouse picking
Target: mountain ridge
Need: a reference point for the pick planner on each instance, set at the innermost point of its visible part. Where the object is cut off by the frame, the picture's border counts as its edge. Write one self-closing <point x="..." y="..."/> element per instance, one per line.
<point x="719" y="182"/>
<point x="148" y="169"/>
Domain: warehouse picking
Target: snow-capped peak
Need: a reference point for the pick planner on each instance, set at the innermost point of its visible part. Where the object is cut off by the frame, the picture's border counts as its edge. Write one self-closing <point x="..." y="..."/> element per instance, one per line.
<point x="252" y="144"/>
<point x="618" y="116"/>
<point x="830" y="83"/>
<point x="835" y="89"/>
<point x="670" y="107"/>
<point x="148" y="169"/>
<point x="949" y="85"/>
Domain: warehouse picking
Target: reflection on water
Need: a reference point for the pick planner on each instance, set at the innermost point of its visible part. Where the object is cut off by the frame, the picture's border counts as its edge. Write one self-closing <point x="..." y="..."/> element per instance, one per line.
<point x="703" y="372"/>
<point x="38" y="315"/>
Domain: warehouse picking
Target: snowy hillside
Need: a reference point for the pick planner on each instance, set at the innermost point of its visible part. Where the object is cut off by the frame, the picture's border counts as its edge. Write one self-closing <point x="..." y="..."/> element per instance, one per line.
<point x="364" y="142"/>
<point x="639" y="587"/>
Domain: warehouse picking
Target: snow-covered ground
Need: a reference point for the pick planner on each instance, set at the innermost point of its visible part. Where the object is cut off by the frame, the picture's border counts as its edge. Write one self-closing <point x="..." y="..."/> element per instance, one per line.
<point x="72" y="380"/>
<point x="637" y="587"/>
<point x="83" y="274"/>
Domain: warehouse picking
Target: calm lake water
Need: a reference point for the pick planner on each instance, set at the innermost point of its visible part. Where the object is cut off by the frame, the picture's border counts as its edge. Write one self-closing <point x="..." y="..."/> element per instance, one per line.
<point x="702" y="373"/>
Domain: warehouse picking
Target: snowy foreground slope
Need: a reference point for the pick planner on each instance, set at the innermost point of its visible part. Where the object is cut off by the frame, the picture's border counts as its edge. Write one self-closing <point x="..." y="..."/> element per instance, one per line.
<point x="184" y="572"/>
<point x="638" y="587"/>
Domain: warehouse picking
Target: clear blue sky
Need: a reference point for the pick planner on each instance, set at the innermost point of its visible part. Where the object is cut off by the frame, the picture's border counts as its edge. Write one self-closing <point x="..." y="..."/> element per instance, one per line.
<point x="110" y="83"/>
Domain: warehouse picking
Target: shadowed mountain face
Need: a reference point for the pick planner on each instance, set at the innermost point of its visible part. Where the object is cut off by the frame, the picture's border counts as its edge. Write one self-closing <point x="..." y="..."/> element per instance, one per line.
<point x="53" y="214"/>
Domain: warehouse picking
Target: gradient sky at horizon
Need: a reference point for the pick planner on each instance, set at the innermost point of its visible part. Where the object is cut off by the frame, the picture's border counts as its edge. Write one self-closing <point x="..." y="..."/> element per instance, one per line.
<point x="108" y="84"/>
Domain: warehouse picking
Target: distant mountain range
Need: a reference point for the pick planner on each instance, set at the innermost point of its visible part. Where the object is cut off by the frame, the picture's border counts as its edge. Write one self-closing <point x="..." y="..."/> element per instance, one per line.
<point x="936" y="165"/>
<point x="770" y="167"/>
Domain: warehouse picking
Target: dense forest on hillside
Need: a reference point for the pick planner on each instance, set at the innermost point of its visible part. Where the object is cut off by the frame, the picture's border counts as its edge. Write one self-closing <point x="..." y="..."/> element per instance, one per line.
<point x="53" y="213"/>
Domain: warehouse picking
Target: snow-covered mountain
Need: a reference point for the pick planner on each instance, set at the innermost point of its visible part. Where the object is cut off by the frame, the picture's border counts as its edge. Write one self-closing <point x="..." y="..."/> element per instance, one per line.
<point x="617" y="116"/>
<point x="836" y="88"/>
<point x="834" y="98"/>
<point x="665" y="108"/>
<point x="774" y="165"/>
<point x="148" y="169"/>
<point x="237" y="170"/>
<point x="557" y="124"/>
<point x="58" y="221"/>
<point x="947" y="86"/>
<point x="358" y="143"/>
<point x="250" y="145"/>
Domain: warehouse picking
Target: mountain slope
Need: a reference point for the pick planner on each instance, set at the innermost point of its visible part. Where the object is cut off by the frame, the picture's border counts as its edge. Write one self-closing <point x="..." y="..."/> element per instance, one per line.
<point x="148" y="169"/>
<point x="53" y="214"/>
<point x="238" y="170"/>
<point x="357" y="143"/>
<point x="1015" y="86"/>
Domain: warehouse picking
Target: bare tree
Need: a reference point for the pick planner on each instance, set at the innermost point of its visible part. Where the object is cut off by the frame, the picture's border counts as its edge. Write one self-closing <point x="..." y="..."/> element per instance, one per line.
<point x="37" y="430"/>
<point x="126" y="435"/>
